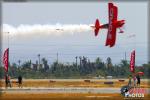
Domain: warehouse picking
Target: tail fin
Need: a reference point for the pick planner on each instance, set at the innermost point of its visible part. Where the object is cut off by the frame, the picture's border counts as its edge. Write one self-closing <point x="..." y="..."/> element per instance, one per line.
<point x="97" y="27"/>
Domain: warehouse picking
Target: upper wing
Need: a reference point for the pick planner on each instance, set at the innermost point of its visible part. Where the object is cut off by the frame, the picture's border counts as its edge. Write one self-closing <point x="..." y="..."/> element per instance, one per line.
<point x="111" y="36"/>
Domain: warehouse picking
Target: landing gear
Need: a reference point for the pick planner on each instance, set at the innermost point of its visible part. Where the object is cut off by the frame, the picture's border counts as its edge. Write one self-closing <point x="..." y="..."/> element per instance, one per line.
<point x="121" y="30"/>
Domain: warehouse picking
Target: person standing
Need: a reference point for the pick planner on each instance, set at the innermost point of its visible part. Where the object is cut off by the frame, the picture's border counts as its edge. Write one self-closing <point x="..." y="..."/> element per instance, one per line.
<point x="6" y="80"/>
<point x="9" y="82"/>
<point x="130" y="83"/>
<point x="138" y="80"/>
<point x="20" y="81"/>
<point x="134" y="81"/>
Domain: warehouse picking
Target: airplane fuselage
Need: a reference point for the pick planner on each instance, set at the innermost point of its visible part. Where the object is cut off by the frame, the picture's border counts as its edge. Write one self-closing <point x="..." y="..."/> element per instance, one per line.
<point x="118" y="24"/>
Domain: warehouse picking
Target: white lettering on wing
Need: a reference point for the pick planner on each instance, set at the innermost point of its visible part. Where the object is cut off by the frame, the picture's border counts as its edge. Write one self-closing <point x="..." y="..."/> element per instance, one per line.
<point x="110" y="23"/>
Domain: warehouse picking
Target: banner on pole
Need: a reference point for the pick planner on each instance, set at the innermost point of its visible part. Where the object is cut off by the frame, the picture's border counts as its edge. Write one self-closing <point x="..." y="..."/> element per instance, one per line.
<point x="132" y="61"/>
<point x="6" y="59"/>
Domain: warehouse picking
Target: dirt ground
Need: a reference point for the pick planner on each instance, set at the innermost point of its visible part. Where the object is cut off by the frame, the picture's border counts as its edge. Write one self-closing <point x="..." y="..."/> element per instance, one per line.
<point x="64" y="96"/>
<point x="98" y="83"/>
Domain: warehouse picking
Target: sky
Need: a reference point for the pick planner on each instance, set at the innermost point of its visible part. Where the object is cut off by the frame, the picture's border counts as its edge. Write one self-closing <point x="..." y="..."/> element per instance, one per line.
<point x="79" y="39"/>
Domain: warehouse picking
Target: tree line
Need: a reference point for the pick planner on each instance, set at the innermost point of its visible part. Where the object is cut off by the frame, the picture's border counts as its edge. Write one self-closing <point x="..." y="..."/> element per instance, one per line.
<point x="85" y="69"/>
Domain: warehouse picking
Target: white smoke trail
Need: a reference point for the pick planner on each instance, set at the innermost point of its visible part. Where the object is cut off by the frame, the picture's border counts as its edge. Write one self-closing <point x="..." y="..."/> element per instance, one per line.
<point x="46" y="29"/>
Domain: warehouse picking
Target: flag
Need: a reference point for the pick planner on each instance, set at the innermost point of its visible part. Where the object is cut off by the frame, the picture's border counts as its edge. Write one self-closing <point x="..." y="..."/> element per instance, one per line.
<point x="132" y="61"/>
<point x="6" y="59"/>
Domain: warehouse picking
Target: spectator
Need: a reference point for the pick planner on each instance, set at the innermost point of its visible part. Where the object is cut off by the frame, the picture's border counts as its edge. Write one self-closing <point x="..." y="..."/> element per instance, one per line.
<point x="6" y="81"/>
<point x="9" y="82"/>
<point x="20" y="81"/>
<point x="130" y="83"/>
<point x="134" y="81"/>
<point x="138" y="80"/>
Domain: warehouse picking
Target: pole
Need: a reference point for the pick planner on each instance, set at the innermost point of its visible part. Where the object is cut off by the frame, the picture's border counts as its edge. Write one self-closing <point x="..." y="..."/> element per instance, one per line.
<point x="57" y="57"/>
<point x="125" y="56"/>
<point x="80" y="60"/>
<point x="1" y="33"/>
<point x="148" y="11"/>
<point x="39" y="60"/>
<point x="76" y="60"/>
<point x="8" y="39"/>
<point x="8" y="51"/>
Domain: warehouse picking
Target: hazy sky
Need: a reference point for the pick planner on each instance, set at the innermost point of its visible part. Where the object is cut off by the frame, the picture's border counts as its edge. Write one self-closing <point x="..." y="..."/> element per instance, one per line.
<point x="69" y="45"/>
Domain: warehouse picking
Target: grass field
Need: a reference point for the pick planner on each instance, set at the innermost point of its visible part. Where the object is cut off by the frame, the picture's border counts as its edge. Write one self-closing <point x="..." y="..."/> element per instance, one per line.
<point x="96" y="83"/>
<point x="61" y="96"/>
<point x="70" y="84"/>
<point x="68" y="96"/>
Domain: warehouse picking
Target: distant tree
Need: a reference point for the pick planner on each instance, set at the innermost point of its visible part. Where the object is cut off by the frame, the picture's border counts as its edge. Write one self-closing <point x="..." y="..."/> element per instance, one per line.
<point x="46" y="67"/>
<point x="1" y="72"/>
<point x="99" y="64"/>
<point x="98" y="60"/>
<point x="26" y="65"/>
<point x="19" y="61"/>
<point x="146" y="70"/>
<point x="110" y="69"/>
<point x="109" y="62"/>
<point x="124" y="63"/>
<point x="14" y="65"/>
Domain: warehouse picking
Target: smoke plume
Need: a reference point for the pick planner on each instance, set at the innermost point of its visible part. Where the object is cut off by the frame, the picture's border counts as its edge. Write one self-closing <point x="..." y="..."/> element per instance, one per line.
<point x="38" y="29"/>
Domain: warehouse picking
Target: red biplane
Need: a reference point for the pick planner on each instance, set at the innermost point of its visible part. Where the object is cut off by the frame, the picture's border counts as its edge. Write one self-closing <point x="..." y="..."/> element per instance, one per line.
<point x="112" y="25"/>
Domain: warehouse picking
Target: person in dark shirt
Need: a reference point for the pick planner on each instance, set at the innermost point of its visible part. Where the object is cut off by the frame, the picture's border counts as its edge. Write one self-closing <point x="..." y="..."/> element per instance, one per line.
<point x="20" y="81"/>
<point x="9" y="82"/>
<point x="6" y="80"/>
<point x="138" y="80"/>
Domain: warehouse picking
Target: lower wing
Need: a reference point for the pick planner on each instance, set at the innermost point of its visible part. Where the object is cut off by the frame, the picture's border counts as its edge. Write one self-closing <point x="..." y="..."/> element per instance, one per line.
<point x="111" y="36"/>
